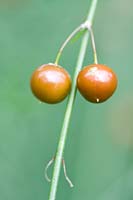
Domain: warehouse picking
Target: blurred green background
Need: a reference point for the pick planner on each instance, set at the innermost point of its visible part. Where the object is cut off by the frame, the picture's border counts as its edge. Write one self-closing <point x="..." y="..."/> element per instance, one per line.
<point x="98" y="151"/>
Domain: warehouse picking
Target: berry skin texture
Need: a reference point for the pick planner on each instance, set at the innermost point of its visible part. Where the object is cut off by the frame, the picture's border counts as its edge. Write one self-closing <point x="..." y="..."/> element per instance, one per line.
<point x="96" y="83"/>
<point x="50" y="83"/>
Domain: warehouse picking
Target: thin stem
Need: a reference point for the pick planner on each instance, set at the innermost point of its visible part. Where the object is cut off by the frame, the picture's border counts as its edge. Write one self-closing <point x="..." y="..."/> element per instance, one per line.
<point x="66" y="42"/>
<point x="64" y="168"/>
<point x="93" y="45"/>
<point x="46" y="169"/>
<point x="65" y="174"/>
<point x="63" y="134"/>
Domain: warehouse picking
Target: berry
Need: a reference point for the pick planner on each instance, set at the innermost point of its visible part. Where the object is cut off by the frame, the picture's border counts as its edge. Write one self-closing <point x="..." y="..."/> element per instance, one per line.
<point x="50" y="83"/>
<point x="96" y="83"/>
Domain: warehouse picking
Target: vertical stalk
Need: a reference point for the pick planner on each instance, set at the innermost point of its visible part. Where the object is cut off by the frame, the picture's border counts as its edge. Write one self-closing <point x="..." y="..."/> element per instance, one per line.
<point x="64" y="130"/>
<point x="93" y="46"/>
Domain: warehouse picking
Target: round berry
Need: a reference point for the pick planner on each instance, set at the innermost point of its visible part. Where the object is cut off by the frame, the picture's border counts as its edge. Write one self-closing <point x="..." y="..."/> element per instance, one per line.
<point x="96" y="83"/>
<point x="50" y="83"/>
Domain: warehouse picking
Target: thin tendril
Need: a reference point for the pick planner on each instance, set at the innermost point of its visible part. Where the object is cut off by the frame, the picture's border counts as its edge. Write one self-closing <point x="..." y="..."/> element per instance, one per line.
<point x="64" y="169"/>
<point x="65" y="174"/>
<point x="46" y="169"/>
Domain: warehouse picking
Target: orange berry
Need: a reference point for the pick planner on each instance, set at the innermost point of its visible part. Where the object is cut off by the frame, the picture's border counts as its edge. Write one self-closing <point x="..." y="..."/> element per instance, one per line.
<point x="50" y="83"/>
<point x="96" y="83"/>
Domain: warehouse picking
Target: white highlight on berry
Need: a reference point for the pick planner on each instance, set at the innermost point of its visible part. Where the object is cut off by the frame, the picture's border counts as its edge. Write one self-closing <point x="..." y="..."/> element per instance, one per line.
<point x="97" y="100"/>
<point x="92" y="71"/>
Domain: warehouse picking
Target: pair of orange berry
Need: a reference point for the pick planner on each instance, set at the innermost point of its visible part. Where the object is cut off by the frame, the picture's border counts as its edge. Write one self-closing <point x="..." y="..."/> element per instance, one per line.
<point x="51" y="83"/>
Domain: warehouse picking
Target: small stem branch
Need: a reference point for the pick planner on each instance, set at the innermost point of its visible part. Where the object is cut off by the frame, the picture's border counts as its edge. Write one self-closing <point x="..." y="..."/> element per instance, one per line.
<point x="63" y="135"/>
<point x="93" y="46"/>
<point x="46" y="169"/>
<point x="66" y="42"/>
<point x="64" y="168"/>
<point x="65" y="174"/>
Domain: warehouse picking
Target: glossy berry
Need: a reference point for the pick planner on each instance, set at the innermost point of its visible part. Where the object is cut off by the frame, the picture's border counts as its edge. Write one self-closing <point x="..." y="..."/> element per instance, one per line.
<point x="96" y="83"/>
<point x="50" y="83"/>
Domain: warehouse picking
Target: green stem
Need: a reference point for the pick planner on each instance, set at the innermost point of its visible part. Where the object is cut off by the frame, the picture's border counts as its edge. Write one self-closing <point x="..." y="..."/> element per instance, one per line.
<point x="63" y="134"/>
<point x="66" y="42"/>
<point x="93" y="46"/>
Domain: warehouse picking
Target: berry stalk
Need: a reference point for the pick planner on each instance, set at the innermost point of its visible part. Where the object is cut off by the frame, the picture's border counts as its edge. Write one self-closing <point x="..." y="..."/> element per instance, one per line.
<point x="67" y="41"/>
<point x="64" y="130"/>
